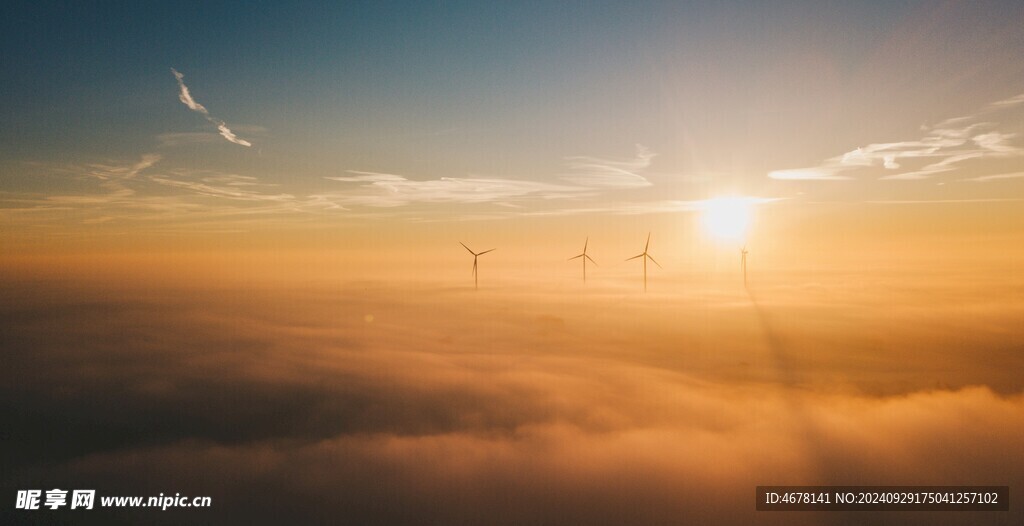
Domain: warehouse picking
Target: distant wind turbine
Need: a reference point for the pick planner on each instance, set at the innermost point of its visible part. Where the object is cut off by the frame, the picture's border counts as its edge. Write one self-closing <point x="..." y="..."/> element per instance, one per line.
<point x="585" y="257"/>
<point x="476" y="276"/>
<point x="645" y="257"/>
<point x="743" y="264"/>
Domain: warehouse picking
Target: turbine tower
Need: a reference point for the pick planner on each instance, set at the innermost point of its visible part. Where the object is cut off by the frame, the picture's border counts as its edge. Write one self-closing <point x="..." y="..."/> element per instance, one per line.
<point x="743" y="264"/>
<point x="476" y="277"/>
<point x="585" y="258"/>
<point x="645" y="257"/>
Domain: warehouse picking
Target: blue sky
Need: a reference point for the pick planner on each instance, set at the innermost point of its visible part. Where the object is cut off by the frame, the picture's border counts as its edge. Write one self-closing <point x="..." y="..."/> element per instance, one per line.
<point x="346" y="106"/>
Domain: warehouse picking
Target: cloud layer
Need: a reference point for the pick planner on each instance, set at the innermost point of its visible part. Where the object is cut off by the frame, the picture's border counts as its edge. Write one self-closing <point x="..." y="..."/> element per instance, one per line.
<point x="508" y="407"/>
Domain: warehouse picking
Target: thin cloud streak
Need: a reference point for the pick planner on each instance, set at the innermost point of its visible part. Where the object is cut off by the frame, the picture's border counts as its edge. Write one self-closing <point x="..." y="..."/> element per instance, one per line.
<point x="997" y="177"/>
<point x="654" y="207"/>
<point x="591" y="176"/>
<point x="608" y="173"/>
<point x="185" y="96"/>
<point x="822" y="173"/>
<point x="1011" y="101"/>
<point x="227" y="134"/>
<point x="181" y="138"/>
<point x="384" y="190"/>
<point x="944" y="148"/>
<point x="942" y="201"/>
<point x="113" y="177"/>
<point x="229" y="191"/>
<point x="192" y="197"/>
<point x="127" y="194"/>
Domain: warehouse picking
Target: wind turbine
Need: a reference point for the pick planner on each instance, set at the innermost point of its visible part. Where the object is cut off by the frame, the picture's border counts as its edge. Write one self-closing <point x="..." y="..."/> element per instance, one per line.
<point x="476" y="277"/>
<point x="743" y="264"/>
<point x="645" y="257"/>
<point x="585" y="258"/>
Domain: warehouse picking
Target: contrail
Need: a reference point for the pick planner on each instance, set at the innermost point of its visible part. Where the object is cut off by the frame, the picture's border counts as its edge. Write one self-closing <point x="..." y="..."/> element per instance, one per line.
<point x="185" y="96"/>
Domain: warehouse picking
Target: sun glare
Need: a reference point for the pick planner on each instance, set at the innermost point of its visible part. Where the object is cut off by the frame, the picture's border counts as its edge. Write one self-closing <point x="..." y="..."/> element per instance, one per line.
<point x="727" y="218"/>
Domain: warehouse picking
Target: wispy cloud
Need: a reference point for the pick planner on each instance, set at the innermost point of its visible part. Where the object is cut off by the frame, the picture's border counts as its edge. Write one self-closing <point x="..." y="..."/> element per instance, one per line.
<point x="106" y="172"/>
<point x="224" y="186"/>
<point x="185" y="96"/>
<point x="1012" y="101"/>
<point x="942" y="201"/>
<point x="585" y="191"/>
<point x="610" y="173"/>
<point x="127" y="193"/>
<point x="132" y="191"/>
<point x="227" y="134"/>
<point x="377" y="189"/>
<point x="117" y="197"/>
<point x="181" y="138"/>
<point x="817" y="173"/>
<point x="996" y="177"/>
<point x="944" y="148"/>
<point x="653" y="207"/>
<point x="590" y="176"/>
<point x="114" y="177"/>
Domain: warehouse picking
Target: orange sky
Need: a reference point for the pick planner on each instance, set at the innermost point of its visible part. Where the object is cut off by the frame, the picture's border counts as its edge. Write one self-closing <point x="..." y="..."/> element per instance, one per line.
<point x="231" y="265"/>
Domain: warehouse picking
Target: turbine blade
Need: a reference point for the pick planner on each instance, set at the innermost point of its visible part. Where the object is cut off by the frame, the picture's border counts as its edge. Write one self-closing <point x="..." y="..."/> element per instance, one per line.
<point x="474" y="266"/>
<point x="585" y="243"/>
<point x="655" y="262"/>
<point x="648" y="242"/>
<point x="591" y="260"/>
<point x="486" y="251"/>
<point x="467" y="248"/>
<point x="634" y="257"/>
<point x="575" y="257"/>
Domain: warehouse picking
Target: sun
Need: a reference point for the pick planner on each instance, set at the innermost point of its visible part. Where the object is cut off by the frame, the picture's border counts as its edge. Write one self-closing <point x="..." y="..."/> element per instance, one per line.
<point x="727" y="218"/>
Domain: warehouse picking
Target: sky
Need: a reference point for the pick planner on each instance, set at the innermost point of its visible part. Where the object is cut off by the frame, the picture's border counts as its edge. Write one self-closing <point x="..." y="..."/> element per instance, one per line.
<point x="204" y="127"/>
<point x="230" y="257"/>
